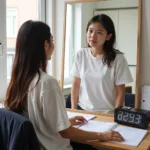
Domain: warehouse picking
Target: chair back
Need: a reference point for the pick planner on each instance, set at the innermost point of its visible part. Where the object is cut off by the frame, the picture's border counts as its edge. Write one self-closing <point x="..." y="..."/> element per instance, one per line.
<point x="129" y="99"/>
<point x="16" y="132"/>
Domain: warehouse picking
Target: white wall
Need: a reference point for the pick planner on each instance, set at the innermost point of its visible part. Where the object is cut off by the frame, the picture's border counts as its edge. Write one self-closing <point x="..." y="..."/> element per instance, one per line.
<point x="117" y="4"/>
<point x="145" y="42"/>
<point x="145" y="47"/>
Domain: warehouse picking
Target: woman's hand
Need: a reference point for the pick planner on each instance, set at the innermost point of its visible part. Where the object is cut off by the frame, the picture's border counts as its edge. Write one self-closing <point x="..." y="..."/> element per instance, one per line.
<point x="111" y="136"/>
<point x="77" y="120"/>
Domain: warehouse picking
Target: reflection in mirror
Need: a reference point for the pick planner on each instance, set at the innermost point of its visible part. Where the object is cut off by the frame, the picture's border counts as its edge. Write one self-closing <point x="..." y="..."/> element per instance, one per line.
<point x="125" y="17"/>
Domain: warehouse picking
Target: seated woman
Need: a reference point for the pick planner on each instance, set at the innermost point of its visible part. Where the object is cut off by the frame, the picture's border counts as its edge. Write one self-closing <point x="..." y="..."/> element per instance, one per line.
<point x="36" y="95"/>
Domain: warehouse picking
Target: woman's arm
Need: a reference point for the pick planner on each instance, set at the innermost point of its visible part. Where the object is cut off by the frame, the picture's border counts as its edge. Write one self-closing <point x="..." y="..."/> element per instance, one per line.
<point x="79" y="135"/>
<point x="75" y="92"/>
<point x="120" y="91"/>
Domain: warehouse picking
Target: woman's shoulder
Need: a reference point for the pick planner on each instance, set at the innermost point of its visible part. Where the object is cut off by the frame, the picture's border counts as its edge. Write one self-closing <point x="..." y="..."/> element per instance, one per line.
<point x="83" y="51"/>
<point x="48" y="80"/>
<point x="119" y="56"/>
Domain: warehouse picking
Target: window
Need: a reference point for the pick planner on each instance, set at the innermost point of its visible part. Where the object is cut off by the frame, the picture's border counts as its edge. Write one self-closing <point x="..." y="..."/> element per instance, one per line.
<point x="74" y="38"/>
<point x="69" y="52"/>
<point x="43" y="10"/>
<point x="17" y="13"/>
<point x="68" y="40"/>
<point x="11" y="22"/>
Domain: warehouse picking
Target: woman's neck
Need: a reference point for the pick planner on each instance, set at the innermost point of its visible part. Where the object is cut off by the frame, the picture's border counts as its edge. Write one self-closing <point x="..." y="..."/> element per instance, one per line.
<point x="97" y="52"/>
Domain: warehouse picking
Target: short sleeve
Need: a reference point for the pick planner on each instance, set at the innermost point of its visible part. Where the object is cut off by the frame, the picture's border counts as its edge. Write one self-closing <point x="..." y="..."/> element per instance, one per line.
<point x="54" y="110"/>
<point x="122" y="72"/>
<point x="75" y="72"/>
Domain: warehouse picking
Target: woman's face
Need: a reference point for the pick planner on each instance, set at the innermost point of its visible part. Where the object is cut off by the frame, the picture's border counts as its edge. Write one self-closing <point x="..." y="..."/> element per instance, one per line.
<point x="49" y="48"/>
<point x="97" y="35"/>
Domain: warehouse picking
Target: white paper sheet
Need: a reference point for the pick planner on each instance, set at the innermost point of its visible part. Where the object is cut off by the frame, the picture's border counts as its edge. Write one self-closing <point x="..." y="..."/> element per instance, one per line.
<point x="132" y="136"/>
<point x="97" y="126"/>
<point x="86" y="116"/>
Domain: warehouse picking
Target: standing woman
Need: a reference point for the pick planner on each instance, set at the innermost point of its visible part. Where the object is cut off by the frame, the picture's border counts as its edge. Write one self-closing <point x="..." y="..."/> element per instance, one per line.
<point x="100" y="71"/>
<point x="36" y="95"/>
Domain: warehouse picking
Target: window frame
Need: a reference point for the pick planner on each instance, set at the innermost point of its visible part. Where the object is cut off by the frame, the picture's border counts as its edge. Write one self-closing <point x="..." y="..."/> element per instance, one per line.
<point x="68" y="80"/>
<point x="10" y="52"/>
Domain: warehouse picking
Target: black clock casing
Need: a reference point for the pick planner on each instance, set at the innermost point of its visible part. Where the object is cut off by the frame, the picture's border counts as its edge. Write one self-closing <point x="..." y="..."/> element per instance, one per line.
<point x="132" y="117"/>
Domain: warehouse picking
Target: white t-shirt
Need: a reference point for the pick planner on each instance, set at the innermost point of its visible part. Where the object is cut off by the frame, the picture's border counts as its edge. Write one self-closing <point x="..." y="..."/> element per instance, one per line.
<point x="97" y="87"/>
<point x="46" y="111"/>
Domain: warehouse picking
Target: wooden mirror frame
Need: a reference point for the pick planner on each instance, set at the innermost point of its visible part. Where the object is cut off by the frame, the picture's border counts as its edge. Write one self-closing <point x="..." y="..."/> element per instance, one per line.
<point x="137" y="101"/>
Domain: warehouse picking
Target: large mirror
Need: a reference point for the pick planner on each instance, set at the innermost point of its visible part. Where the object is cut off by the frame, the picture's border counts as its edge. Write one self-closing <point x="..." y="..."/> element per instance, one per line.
<point x="126" y="15"/>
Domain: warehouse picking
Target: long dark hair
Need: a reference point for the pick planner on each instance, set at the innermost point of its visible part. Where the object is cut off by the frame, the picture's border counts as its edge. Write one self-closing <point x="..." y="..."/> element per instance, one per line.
<point x="109" y="50"/>
<point x="29" y="57"/>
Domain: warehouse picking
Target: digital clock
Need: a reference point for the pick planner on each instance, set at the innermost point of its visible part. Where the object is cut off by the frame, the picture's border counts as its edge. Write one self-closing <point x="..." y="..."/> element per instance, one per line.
<point x="132" y="117"/>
